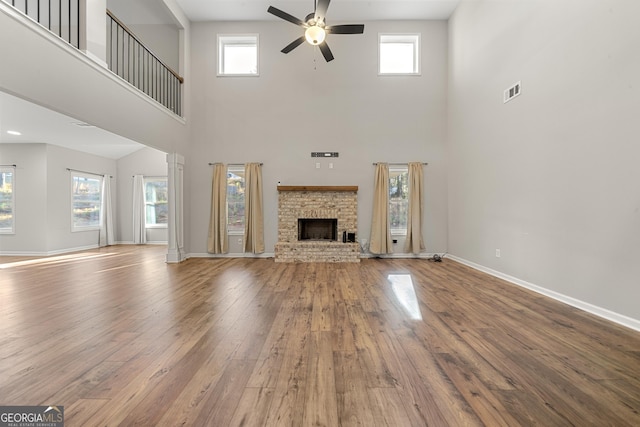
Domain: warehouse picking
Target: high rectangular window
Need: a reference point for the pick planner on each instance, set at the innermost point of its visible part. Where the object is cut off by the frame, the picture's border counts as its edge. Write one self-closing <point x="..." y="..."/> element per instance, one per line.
<point x="238" y="55"/>
<point x="7" y="200"/>
<point x="399" y="54"/>
<point x="235" y="199"/>
<point x="156" y="202"/>
<point x="398" y="199"/>
<point x="86" y="198"/>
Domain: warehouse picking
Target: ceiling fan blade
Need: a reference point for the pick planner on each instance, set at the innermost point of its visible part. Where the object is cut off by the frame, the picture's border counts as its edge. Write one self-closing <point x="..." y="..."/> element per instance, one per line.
<point x="345" y="29"/>
<point x="326" y="52"/>
<point x="294" y="44"/>
<point x="321" y="10"/>
<point x="284" y="15"/>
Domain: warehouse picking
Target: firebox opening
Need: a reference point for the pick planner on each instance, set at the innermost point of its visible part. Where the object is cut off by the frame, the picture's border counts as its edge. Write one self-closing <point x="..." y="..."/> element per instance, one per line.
<point x="317" y="228"/>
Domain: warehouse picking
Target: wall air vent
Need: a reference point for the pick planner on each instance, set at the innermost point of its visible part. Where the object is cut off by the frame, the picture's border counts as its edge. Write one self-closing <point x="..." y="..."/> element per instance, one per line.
<point x="324" y="154"/>
<point x="512" y="92"/>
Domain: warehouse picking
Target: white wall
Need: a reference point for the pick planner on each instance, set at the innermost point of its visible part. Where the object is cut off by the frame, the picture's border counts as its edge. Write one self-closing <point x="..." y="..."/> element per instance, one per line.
<point x="147" y="162"/>
<point x="550" y="178"/>
<point x="43" y="198"/>
<point x="160" y="39"/>
<point x="301" y="104"/>
<point x="60" y="238"/>
<point x="30" y="192"/>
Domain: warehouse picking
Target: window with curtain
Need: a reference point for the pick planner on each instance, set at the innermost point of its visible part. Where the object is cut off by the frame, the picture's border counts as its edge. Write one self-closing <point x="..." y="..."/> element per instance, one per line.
<point x="398" y="199"/>
<point x="235" y="199"/>
<point x="156" y="198"/>
<point x="7" y="200"/>
<point x="86" y="201"/>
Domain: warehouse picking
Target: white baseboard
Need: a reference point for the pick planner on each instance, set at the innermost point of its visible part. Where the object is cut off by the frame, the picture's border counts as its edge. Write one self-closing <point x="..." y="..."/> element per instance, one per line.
<point x="240" y="255"/>
<point x="130" y="242"/>
<point x="272" y="255"/>
<point x="585" y="306"/>
<point x="399" y="255"/>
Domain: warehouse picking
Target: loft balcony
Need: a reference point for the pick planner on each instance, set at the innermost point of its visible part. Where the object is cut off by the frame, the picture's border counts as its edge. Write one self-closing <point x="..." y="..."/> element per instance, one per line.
<point x="105" y="38"/>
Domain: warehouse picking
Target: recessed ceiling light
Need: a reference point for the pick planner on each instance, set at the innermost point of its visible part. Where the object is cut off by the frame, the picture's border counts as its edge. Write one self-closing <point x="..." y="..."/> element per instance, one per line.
<point x="14" y="132"/>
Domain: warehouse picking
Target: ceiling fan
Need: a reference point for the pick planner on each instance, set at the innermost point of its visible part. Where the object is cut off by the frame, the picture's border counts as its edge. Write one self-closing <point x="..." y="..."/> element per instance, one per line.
<point x="316" y="28"/>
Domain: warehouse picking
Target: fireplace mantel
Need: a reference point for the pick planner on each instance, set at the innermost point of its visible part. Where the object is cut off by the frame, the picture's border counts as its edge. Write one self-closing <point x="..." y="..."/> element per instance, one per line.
<point x="317" y="188"/>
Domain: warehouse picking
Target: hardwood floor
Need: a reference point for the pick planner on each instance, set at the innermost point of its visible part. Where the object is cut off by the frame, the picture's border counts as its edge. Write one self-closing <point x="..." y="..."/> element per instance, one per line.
<point x="118" y="337"/>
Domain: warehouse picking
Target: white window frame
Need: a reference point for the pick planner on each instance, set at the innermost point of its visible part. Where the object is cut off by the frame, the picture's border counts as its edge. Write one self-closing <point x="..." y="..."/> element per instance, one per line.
<point x="238" y="40"/>
<point x="398" y="38"/>
<point x="398" y="169"/>
<point x="148" y="179"/>
<point x="235" y="169"/>
<point x="12" y="171"/>
<point x="73" y="174"/>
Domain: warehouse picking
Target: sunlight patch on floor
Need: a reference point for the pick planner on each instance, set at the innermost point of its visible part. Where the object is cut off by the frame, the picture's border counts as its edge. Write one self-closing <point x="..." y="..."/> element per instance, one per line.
<point x="402" y="286"/>
<point x="54" y="260"/>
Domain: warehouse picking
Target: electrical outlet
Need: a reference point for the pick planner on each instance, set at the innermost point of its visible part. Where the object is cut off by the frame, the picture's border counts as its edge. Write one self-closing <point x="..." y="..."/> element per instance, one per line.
<point x="497" y="253"/>
<point x="317" y="165"/>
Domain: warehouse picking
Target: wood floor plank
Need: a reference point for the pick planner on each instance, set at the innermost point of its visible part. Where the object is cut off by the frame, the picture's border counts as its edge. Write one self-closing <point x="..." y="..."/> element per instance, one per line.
<point x="82" y="411"/>
<point x="321" y="406"/>
<point x="253" y="407"/>
<point x="119" y="337"/>
<point x="354" y="399"/>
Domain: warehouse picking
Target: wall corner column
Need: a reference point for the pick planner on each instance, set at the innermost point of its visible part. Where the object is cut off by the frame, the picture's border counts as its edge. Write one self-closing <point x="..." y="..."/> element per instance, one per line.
<point x="93" y="29"/>
<point x="175" y="251"/>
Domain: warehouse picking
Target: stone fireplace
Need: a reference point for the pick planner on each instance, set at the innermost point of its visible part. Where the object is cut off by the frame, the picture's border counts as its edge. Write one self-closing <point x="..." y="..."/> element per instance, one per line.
<point x="317" y="229"/>
<point x="311" y="223"/>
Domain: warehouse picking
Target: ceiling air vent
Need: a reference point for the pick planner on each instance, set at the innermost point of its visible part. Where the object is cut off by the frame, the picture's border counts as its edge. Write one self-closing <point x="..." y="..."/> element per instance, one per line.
<point x="512" y="92"/>
<point x="83" y="125"/>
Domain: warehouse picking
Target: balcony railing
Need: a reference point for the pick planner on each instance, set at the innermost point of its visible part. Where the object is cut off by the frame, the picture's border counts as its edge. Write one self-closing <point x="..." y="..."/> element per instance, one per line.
<point x="60" y="17"/>
<point x="128" y="57"/>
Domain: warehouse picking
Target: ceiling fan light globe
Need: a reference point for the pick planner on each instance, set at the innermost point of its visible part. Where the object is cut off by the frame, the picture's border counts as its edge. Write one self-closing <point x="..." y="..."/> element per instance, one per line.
<point x="315" y="35"/>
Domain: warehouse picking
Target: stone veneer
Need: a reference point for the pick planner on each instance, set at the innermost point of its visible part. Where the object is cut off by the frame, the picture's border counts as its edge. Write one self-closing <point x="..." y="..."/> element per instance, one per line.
<point x="316" y="202"/>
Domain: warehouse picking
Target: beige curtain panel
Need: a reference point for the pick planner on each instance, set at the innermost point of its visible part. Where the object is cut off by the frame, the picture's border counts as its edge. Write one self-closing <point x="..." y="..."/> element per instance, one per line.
<point x="217" y="241"/>
<point x="253" y="209"/>
<point x="380" y="241"/>
<point x="414" y="242"/>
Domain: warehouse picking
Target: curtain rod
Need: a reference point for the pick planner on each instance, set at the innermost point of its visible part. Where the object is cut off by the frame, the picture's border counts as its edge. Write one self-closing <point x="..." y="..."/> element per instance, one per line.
<point x="374" y="164"/>
<point x="90" y="173"/>
<point x="230" y="164"/>
<point x="7" y="166"/>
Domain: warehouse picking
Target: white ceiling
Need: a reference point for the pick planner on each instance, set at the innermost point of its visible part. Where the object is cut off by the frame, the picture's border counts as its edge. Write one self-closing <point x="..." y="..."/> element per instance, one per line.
<point x="41" y="125"/>
<point x="339" y="10"/>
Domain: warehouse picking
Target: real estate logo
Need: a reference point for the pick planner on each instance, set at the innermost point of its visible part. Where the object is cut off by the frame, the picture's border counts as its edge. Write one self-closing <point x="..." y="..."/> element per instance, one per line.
<point x="31" y="416"/>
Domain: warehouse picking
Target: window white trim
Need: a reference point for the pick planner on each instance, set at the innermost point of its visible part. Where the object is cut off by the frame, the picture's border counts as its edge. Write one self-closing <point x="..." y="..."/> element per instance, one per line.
<point x="12" y="171"/>
<point x="397" y="169"/>
<point x="240" y="40"/>
<point x="412" y="40"/>
<point x="146" y="180"/>
<point x="99" y="178"/>
<point x="239" y="170"/>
